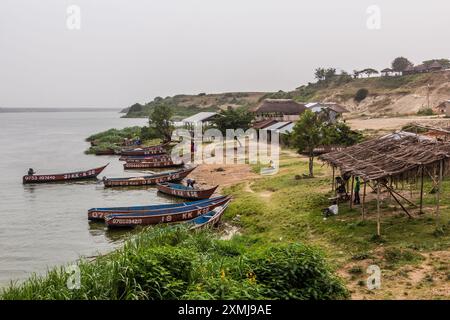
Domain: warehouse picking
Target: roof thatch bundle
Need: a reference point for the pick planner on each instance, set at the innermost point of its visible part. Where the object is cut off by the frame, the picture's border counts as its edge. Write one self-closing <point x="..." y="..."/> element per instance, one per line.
<point x="394" y="155"/>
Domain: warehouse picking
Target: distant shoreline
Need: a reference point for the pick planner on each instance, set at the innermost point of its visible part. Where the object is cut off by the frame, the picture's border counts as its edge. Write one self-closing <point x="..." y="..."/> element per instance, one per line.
<point x="29" y="110"/>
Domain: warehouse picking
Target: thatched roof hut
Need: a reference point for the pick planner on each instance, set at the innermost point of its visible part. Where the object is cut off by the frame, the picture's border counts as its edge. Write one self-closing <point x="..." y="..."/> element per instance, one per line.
<point x="396" y="157"/>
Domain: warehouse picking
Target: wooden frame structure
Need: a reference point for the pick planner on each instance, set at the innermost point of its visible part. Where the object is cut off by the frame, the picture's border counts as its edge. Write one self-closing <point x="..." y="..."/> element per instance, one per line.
<point x="401" y="156"/>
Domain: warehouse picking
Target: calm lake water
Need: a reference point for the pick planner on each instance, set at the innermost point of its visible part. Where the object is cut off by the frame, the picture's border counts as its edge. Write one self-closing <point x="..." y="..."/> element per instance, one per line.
<point x="46" y="225"/>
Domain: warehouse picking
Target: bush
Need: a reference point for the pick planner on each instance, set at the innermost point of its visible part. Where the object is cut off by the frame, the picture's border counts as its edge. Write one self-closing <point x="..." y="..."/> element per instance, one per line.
<point x="425" y="112"/>
<point x="396" y="256"/>
<point x="361" y="94"/>
<point x="174" y="263"/>
<point x="296" y="272"/>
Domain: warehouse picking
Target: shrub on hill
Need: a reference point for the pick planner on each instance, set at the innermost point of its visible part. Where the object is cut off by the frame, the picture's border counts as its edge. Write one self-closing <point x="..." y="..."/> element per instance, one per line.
<point x="361" y="94"/>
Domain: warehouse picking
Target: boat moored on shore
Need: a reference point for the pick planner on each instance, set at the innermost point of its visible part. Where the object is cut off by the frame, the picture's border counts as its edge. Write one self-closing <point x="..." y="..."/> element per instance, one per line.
<point x="71" y="176"/>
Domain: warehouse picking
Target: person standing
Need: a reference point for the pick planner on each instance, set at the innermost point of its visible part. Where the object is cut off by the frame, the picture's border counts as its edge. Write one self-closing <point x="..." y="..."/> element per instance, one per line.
<point x="357" y="188"/>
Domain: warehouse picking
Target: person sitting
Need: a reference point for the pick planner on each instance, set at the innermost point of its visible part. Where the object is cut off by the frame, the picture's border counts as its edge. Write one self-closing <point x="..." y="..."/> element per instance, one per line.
<point x="331" y="210"/>
<point x="31" y="172"/>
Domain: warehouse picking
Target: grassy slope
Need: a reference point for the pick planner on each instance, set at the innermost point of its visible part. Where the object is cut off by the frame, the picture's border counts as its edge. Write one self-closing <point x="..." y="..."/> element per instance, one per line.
<point x="282" y="209"/>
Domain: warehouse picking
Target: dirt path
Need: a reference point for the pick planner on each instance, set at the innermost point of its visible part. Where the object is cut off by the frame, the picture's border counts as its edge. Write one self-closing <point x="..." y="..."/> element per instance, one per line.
<point x="395" y="123"/>
<point x="223" y="175"/>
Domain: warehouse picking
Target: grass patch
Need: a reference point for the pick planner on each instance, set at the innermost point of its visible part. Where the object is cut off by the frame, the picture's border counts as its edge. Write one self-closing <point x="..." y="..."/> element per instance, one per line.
<point x="174" y="263"/>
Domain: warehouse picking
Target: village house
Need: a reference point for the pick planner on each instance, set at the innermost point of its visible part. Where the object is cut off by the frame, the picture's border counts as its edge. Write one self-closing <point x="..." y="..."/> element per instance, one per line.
<point x="436" y="66"/>
<point x="334" y="110"/>
<point x="203" y="119"/>
<point x="444" y="108"/>
<point x="279" y="109"/>
<point x="388" y="72"/>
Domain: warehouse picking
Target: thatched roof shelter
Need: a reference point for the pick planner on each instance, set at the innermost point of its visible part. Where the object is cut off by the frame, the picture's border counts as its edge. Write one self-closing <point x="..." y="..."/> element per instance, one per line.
<point x="396" y="157"/>
<point x="389" y="156"/>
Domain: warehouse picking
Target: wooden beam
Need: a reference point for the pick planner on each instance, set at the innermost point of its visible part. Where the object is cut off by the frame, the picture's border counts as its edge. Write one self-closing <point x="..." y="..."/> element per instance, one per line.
<point x="438" y="193"/>
<point x="421" y="191"/>
<point x="396" y="200"/>
<point x="333" y="184"/>
<point x="364" y="201"/>
<point x="378" y="210"/>
<point x="351" y="193"/>
<point x="411" y="203"/>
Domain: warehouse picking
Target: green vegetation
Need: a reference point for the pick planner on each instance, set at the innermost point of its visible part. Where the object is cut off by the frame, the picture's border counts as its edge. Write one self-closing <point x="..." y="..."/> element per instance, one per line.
<point x="184" y="106"/>
<point x="361" y="94"/>
<point x="400" y="64"/>
<point x="160" y="123"/>
<point x="425" y="112"/>
<point x="313" y="130"/>
<point x="239" y="118"/>
<point x="113" y="139"/>
<point x="174" y="263"/>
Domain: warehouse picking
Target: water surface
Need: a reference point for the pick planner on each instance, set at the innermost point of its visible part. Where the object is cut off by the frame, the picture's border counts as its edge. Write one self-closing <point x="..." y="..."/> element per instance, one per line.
<point x="46" y="225"/>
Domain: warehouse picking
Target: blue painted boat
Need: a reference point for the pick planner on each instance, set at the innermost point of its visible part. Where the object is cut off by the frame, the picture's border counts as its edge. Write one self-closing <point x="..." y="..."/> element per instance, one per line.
<point x="100" y="213"/>
<point x="208" y="219"/>
<point x="139" y="218"/>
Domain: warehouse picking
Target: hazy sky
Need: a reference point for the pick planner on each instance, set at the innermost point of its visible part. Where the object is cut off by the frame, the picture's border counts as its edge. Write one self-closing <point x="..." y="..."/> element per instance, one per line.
<point x="133" y="50"/>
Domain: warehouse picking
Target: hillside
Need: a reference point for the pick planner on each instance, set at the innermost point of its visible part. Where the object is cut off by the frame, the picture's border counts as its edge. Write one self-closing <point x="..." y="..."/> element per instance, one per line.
<point x="386" y="96"/>
<point x="187" y="105"/>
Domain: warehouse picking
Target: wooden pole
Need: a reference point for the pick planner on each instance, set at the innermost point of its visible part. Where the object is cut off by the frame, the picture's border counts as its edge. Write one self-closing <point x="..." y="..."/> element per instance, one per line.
<point x="333" y="186"/>
<point x="438" y="193"/>
<point x="363" y="201"/>
<point x="351" y="193"/>
<point x="378" y="210"/>
<point x="421" y="191"/>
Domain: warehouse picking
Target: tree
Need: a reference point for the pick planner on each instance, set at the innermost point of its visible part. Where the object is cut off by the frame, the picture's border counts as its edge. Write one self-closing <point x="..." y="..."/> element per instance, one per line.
<point x="400" y="64"/>
<point x="160" y="121"/>
<point x="361" y="94"/>
<point x="239" y="118"/>
<point x="313" y="130"/>
<point x="308" y="135"/>
<point x="322" y="74"/>
<point x="341" y="134"/>
<point x="330" y="73"/>
<point x="369" y="71"/>
<point x="319" y="74"/>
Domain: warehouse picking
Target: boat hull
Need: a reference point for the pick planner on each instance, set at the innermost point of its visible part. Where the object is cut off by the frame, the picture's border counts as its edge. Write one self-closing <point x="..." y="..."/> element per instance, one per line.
<point x="132" y="220"/>
<point x="80" y="175"/>
<point x="185" y="193"/>
<point x="154" y="158"/>
<point x="209" y="219"/>
<point x="159" y="149"/>
<point x="99" y="214"/>
<point x="148" y="180"/>
<point x="152" y="164"/>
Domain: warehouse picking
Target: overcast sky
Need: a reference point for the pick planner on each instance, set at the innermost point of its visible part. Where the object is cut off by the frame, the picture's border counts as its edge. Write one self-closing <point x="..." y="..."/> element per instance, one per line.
<point x="133" y="50"/>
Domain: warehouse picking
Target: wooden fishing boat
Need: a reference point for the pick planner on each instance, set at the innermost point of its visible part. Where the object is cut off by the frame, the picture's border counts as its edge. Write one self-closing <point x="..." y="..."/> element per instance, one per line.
<point x="151" y="218"/>
<point x="179" y="190"/>
<point x="100" y="213"/>
<point x="150" y="158"/>
<point x="81" y="175"/>
<point x="152" y="164"/>
<point x="107" y="152"/>
<point x="159" y="149"/>
<point x="209" y="219"/>
<point x="150" y="179"/>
